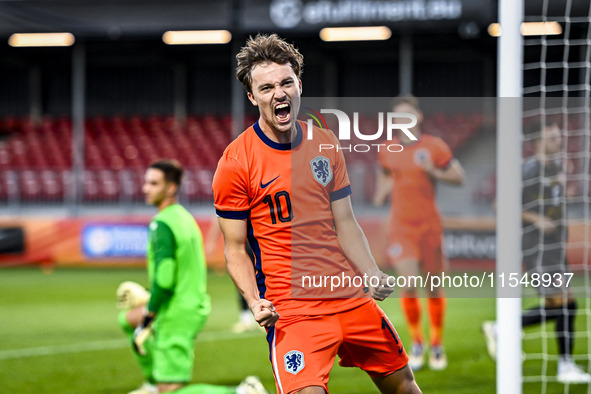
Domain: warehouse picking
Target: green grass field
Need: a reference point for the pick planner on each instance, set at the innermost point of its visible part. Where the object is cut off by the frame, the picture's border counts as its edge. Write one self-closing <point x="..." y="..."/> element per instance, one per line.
<point x="58" y="334"/>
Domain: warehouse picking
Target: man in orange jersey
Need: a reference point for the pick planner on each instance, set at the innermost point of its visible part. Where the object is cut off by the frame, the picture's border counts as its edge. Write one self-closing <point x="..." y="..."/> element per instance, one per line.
<point x="274" y="188"/>
<point x="415" y="234"/>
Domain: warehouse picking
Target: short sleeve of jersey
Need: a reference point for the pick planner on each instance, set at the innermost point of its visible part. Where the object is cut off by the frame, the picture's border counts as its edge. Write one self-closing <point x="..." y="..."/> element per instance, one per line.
<point x="230" y="189"/>
<point x="342" y="185"/>
<point x="442" y="154"/>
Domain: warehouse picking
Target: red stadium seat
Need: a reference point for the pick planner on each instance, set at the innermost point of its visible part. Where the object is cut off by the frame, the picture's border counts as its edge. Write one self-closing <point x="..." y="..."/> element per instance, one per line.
<point x="108" y="183"/>
<point x="4" y="186"/>
<point x="30" y="186"/>
<point x="91" y="188"/>
<point x="118" y="149"/>
<point x="52" y="185"/>
<point x="190" y="186"/>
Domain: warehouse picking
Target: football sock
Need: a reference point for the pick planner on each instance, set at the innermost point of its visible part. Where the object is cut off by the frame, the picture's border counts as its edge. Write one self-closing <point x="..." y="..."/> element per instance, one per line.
<point x="145" y="362"/>
<point x="412" y="311"/>
<point x="203" y="388"/>
<point x="436" y="314"/>
<point x="565" y="328"/>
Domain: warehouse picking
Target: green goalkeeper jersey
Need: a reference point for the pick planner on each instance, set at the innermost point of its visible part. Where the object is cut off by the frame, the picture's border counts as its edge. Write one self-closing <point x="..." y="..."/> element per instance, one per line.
<point x="176" y="268"/>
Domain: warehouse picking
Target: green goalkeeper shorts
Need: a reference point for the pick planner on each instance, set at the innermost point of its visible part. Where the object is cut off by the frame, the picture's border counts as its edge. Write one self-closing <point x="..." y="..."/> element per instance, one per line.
<point x="173" y="353"/>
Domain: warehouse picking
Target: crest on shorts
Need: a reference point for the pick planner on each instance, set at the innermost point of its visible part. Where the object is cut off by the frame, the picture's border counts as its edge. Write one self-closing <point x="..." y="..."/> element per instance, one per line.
<point x="321" y="169"/>
<point x="294" y="361"/>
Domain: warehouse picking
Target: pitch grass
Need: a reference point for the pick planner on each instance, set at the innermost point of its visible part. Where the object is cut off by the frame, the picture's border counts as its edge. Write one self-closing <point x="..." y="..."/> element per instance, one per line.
<point x="58" y="334"/>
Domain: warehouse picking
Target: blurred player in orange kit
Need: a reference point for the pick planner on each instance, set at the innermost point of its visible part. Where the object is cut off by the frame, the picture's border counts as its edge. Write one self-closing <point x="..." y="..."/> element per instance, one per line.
<point x="415" y="232"/>
<point x="291" y="202"/>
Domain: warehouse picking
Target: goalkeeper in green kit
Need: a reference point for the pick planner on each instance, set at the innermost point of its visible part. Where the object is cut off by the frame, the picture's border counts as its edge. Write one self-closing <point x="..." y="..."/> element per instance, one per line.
<point x="162" y="324"/>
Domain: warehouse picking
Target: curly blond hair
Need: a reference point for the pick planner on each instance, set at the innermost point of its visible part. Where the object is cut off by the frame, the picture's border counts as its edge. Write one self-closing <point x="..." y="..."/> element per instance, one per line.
<point x="266" y="49"/>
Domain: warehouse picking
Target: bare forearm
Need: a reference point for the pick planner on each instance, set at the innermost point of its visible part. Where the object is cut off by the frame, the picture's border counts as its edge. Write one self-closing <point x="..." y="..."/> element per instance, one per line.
<point x="448" y="177"/>
<point x="533" y="217"/>
<point x="241" y="271"/>
<point x="355" y="246"/>
<point x="453" y="174"/>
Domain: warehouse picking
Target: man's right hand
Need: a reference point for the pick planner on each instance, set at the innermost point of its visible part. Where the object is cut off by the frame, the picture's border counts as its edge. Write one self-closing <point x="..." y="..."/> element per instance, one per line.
<point x="264" y="313"/>
<point x="131" y="294"/>
<point x="545" y="225"/>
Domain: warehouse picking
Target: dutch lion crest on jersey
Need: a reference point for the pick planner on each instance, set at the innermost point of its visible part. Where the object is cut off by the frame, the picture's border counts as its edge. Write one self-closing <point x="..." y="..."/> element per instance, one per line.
<point x="421" y="155"/>
<point x="294" y="361"/>
<point x="321" y="169"/>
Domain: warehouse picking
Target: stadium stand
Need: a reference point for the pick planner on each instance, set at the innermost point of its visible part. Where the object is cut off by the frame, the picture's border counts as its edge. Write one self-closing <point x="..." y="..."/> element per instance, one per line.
<point x="573" y="155"/>
<point x="37" y="158"/>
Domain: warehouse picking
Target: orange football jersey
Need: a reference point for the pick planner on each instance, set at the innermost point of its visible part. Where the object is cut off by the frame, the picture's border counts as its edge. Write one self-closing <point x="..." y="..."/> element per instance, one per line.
<point x="413" y="191"/>
<point x="284" y="191"/>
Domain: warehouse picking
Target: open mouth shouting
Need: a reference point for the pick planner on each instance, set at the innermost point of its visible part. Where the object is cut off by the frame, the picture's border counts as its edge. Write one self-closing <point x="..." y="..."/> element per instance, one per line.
<point x="282" y="112"/>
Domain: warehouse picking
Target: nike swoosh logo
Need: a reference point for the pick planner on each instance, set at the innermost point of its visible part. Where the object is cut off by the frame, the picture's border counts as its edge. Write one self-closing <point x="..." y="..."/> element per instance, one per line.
<point x="264" y="185"/>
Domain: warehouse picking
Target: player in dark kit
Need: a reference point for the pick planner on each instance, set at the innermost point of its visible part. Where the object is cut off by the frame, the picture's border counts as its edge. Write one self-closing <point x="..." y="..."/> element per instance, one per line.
<point x="544" y="250"/>
<point x="544" y="246"/>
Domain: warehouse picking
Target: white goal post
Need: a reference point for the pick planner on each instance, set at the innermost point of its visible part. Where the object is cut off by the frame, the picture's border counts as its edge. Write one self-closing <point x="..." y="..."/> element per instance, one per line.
<point x="545" y="78"/>
<point x="508" y="227"/>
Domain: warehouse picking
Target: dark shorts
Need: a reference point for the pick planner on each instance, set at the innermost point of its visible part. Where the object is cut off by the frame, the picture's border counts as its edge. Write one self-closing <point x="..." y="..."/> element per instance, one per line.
<point x="545" y="259"/>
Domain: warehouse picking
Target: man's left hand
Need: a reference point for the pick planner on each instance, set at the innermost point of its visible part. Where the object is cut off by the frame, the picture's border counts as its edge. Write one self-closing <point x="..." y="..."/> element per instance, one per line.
<point x="382" y="290"/>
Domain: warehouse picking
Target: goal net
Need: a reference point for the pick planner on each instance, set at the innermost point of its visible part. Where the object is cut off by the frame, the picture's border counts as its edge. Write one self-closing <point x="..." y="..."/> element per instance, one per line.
<point x="556" y="91"/>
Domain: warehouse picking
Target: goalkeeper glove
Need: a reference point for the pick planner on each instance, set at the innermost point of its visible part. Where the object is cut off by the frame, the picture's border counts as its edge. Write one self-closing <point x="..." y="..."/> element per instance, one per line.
<point x="131" y="294"/>
<point x="142" y="332"/>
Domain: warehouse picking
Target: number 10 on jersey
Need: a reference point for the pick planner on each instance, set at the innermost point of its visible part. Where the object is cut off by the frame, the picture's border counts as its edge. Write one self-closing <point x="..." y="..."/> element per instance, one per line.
<point x="279" y="207"/>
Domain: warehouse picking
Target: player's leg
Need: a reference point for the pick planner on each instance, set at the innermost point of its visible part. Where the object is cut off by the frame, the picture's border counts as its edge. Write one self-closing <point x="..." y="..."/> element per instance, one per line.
<point x="173" y="363"/>
<point x="434" y="263"/>
<point x="131" y="299"/>
<point x="174" y="352"/>
<point x="559" y="305"/>
<point x="403" y="254"/>
<point x="401" y="381"/>
<point x="371" y="343"/>
<point x="128" y="320"/>
<point x="411" y="306"/>
<point x="558" y="300"/>
<point x="534" y="261"/>
<point x="311" y="390"/>
<point x="250" y="385"/>
<point x="537" y="260"/>
<point x="568" y="370"/>
<point x="195" y="389"/>
<point x="565" y="308"/>
<point x="302" y="351"/>
<point x="565" y="311"/>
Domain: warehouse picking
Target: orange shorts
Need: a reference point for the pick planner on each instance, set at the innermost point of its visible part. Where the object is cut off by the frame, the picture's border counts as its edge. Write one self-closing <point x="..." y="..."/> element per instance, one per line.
<point x="422" y="245"/>
<point x="303" y="348"/>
